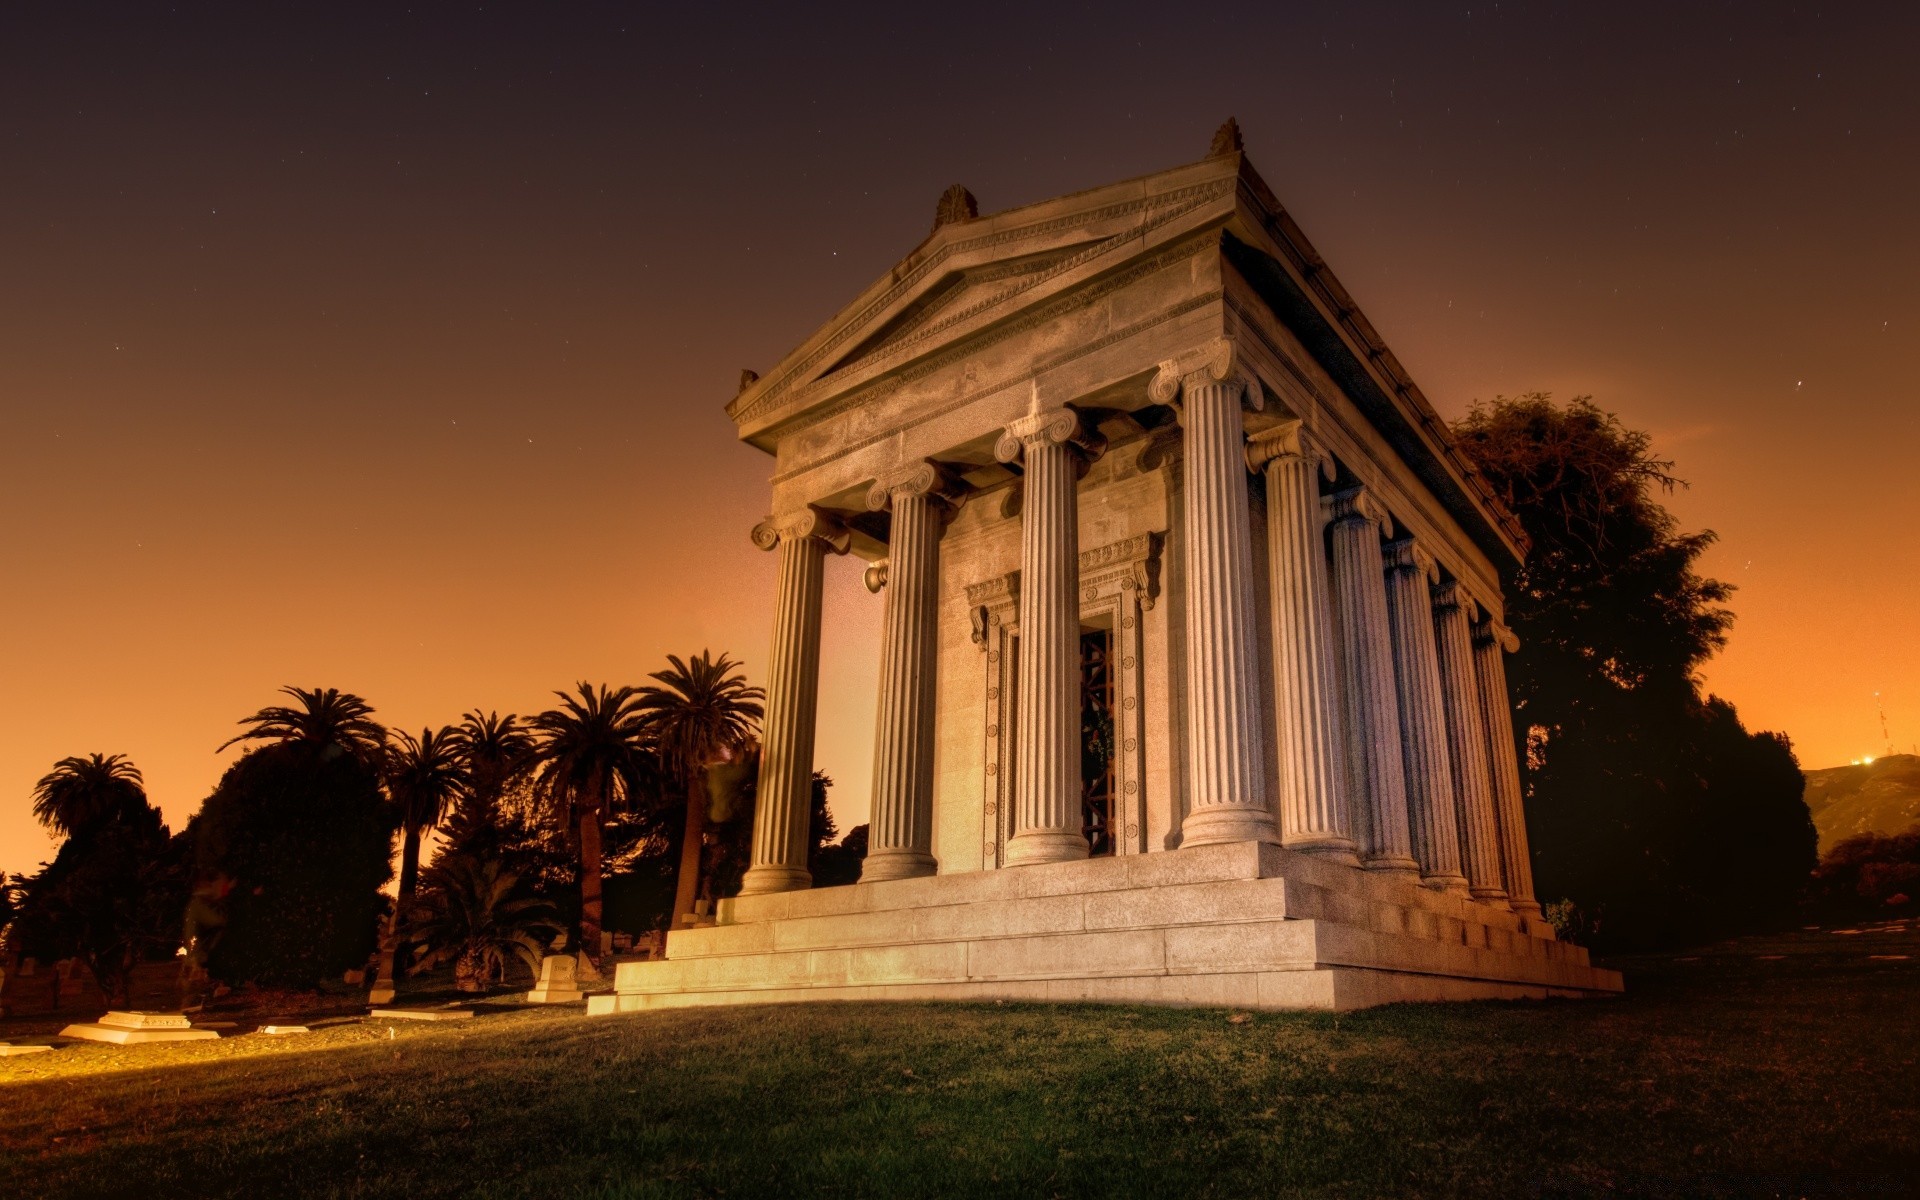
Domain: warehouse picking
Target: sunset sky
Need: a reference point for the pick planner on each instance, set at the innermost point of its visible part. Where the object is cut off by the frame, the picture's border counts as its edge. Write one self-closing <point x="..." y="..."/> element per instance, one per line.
<point x="387" y="350"/>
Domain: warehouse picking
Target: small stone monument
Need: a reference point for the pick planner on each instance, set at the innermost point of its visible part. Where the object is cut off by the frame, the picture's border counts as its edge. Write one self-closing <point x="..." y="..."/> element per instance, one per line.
<point x="8" y="1049"/>
<point x="559" y="982"/>
<point x="133" y="1028"/>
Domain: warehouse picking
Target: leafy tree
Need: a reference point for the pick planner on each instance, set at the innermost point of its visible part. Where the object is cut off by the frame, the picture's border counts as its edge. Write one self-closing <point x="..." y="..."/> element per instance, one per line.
<point x="702" y="713"/>
<point x="839" y="864"/>
<point x="293" y="848"/>
<point x="1870" y="875"/>
<point x="496" y="752"/>
<point x="1651" y="809"/>
<point x="593" y="758"/>
<point x="474" y="916"/>
<point x="425" y="777"/>
<point x="323" y="717"/>
<point x="113" y="894"/>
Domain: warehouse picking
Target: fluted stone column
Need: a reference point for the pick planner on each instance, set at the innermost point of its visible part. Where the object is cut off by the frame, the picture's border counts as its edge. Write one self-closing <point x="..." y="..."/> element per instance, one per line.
<point x="1047" y="823"/>
<point x="1376" y="773"/>
<point x="901" y="830"/>
<point x="1423" y="718"/>
<point x="1453" y="615"/>
<point x="1313" y="813"/>
<point x="1491" y="642"/>
<point x="785" y="790"/>
<point x="1226" y="779"/>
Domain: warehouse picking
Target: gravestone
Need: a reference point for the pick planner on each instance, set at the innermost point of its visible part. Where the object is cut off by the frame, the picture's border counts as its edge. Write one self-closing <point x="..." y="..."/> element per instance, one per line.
<point x="134" y="1028"/>
<point x="559" y="982"/>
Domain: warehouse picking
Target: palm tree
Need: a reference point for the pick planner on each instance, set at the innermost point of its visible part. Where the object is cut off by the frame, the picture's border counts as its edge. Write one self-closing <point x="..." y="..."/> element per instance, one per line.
<point x="472" y="917"/>
<point x="325" y="717"/>
<point x="593" y="757"/>
<point x="495" y="751"/>
<point x="80" y="793"/>
<point x="702" y="714"/>
<point x="425" y="777"/>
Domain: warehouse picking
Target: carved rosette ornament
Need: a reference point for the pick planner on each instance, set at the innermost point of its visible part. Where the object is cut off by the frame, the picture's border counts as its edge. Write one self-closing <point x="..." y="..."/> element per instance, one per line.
<point x="1376" y="772"/>
<point x="1411" y="573"/>
<point x="901" y="831"/>
<point x="1313" y="805"/>
<point x="785" y="787"/>
<point x="1226" y="747"/>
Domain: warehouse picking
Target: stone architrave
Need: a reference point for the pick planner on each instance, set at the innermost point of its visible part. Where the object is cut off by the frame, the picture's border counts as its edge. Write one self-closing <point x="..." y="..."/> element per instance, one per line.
<point x="1492" y="641"/>
<point x="901" y="828"/>
<point x="558" y="983"/>
<point x="1313" y="812"/>
<point x="785" y="790"/>
<point x="1453" y="617"/>
<point x="1226" y="779"/>
<point x="1431" y="819"/>
<point x="1053" y="450"/>
<point x="1376" y="768"/>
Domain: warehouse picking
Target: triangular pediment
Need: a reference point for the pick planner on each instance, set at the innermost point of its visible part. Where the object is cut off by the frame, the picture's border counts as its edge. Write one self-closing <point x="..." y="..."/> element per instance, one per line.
<point x="974" y="273"/>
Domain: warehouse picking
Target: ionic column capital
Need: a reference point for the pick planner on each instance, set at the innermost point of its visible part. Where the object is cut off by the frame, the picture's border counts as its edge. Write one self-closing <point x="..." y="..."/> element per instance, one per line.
<point x="1051" y="427"/>
<point x="1406" y="554"/>
<point x="1217" y="362"/>
<point x="1288" y="441"/>
<point x="809" y="522"/>
<point x="1358" y="504"/>
<point x="875" y="576"/>
<point x="924" y="478"/>
<point x="1449" y="595"/>
<point x="1487" y="631"/>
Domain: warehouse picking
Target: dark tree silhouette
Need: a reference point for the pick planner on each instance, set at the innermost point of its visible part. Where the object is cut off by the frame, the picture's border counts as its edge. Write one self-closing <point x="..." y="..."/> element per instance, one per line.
<point x="592" y="757"/>
<point x="1655" y="817"/>
<point x="114" y="893"/>
<point x="425" y="777"/>
<point x="324" y="717"/>
<point x="82" y="792"/>
<point x="293" y="847"/>
<point x="701" y="713"/>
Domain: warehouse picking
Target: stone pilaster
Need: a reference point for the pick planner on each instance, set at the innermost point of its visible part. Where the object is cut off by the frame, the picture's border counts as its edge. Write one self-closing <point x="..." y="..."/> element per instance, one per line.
<point x="901" y="829"/>
<point x="1313" y="811"/>
<point x="1423" y="719"/>
<point x="1376" y="774"/>
<point x="1052" y="449"/>
<point x="1492" y="641"/>
<point x="785" y="789"/>
<point x="1226" y="781"/>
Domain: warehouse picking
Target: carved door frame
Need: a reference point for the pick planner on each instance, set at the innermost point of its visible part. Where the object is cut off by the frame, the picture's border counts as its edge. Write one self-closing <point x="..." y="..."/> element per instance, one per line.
<point x="1118" y="583"/>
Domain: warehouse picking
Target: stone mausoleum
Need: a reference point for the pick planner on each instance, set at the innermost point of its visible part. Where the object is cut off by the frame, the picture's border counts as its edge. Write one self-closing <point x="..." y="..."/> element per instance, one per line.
<point x="1192" y="688"/>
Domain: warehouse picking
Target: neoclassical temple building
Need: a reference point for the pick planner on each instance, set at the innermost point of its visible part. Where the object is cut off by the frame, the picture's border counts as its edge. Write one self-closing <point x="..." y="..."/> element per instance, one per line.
<point x="1192" y="688"/>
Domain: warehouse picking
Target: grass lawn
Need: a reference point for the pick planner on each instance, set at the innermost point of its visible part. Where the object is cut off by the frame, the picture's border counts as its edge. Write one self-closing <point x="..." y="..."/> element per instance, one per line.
<point x="1781" y="1066"/>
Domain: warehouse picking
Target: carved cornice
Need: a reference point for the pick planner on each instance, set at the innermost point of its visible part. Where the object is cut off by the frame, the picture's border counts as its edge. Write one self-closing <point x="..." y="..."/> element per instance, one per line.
<point x="780" y="392"/>
<point x="924" y="478"/>
<point x="1131" y="565"/>
<point x="1288" y="441"/>
<point x="1001" y="589"/>
<point x="1052" y="427"/>
<point x="1405" y="554"/>
<point x="1487" y="630"/>
<point x="1358" y="504"/>
<point x="810" y="522"/>
<point x="1218" y="361"/>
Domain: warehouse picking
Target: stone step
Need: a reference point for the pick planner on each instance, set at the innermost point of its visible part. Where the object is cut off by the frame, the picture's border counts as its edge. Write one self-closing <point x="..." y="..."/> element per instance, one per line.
<point x="1257" y="946"/>
<point x="1334" y="988"/>
<point x="1217" y="902"/>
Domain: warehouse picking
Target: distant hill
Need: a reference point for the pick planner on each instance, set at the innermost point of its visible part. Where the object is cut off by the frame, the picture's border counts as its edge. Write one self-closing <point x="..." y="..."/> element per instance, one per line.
<point x="1882" y="796"/>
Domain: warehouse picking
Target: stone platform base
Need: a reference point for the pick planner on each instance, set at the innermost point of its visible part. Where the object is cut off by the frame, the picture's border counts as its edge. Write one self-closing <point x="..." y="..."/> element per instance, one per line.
<point x="1244" y="925"/>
